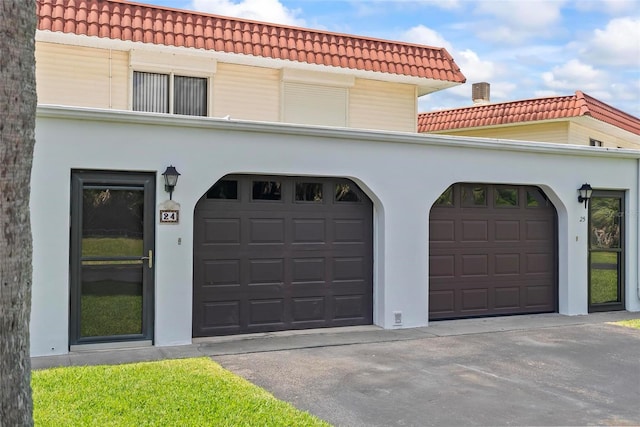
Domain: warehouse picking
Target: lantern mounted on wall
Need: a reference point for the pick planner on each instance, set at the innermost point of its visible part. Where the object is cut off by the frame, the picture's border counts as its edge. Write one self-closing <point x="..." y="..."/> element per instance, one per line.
<point x="170" y="180"/>
<point x="585" y="194"/>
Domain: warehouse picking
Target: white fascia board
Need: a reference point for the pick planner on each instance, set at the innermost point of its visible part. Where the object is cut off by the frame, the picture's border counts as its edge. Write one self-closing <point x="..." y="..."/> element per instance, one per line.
<point x="424" y="85"/>
<point x="123" y="116"/>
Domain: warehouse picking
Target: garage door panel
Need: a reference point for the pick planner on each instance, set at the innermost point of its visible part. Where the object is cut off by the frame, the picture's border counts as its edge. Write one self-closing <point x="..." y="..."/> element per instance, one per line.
<point x="475" y="265"/>
<point x="269" y="311"/>
<point x="347" y="269"/>
<point x="222" y="230"/>
<point x="507" y="298"/>
<point x="475" y="231"/>
<point x="266" y="271"/>
<point x="507" y="230"/>
<point x="309" y="309"/>
<point x="309" y="270"/>
<point x="266" y="230"/>
<point x="506" y="264"/>
<point x="474" y="300"/>
<point x="538" y="229"/>
<point x="349" y="230"/>
<point x="501" y="260"/>
<point x="442" y="301"/>
<point x="286" y="264"/>
<point x="442" y="230"/>
<point x="538" y="263"/>
<point x="538" y="296"/>
<point x="221" y="314"/>
<point x="223" y="272"/>
<point x="442" y="266"/>
<point x="349" y="307"/>
<point x="309" y="230"/>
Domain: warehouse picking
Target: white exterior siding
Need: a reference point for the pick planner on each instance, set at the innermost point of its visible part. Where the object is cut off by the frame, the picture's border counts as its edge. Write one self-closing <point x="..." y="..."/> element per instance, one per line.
<point x="610" y="136"/>
<point x="315" y="104"/>
<point x="82" y="76"/>
<point x="554" y="132"/>
<point x="379" y="105"/>
<point x="248" y="93"/>
<point x="210" y="148"/>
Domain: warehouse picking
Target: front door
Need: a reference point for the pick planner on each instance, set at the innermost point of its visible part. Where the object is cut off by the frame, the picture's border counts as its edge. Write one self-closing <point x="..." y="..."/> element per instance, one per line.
<point x="112" y="243"/>
<point x="606" y="251"/>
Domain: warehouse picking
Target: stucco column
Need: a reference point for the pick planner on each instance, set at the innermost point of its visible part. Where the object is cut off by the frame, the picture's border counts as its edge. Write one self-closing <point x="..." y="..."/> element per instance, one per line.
<point x="406" y="261"/>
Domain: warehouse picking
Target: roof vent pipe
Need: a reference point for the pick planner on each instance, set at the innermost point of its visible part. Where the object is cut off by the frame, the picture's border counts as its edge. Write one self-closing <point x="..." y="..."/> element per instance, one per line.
<point x="480" y="93"/>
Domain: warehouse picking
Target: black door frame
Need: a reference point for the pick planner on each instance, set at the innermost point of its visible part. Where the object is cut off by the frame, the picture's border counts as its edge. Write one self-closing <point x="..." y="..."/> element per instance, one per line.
<point x="620" y="304"/>
<point x="84" y="178"/>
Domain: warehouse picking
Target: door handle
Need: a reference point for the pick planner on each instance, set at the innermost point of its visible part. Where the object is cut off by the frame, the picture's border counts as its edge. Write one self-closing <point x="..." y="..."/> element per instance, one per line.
<point x="149" y="258"/>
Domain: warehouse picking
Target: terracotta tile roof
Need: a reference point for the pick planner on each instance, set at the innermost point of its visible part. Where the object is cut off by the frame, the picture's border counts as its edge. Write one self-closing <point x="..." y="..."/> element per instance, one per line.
<point x="124" y="20"/>
<point x="528" y="110"/>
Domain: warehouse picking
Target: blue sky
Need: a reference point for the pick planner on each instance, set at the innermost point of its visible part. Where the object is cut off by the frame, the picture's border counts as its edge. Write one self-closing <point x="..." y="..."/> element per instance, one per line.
<point x="524" y="48"/>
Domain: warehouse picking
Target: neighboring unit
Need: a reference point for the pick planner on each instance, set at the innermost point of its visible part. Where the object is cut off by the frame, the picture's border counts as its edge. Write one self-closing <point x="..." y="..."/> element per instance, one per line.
<point x="197" y="175"/>
<point x="576" y="119"/>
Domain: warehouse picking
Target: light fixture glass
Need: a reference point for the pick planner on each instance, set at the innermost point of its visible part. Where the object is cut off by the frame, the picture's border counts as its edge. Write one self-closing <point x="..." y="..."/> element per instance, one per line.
<point x="170" y="180"/>
<point x="585" y="194"/>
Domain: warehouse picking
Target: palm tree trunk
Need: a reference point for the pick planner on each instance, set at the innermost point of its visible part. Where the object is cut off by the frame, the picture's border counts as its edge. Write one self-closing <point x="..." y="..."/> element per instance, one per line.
<point x="17" y="137"/>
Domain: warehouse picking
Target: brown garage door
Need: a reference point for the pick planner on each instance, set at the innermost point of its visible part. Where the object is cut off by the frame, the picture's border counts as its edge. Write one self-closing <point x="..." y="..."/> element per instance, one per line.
<point x="492" y="252"/>
<point x="275" y="253"/>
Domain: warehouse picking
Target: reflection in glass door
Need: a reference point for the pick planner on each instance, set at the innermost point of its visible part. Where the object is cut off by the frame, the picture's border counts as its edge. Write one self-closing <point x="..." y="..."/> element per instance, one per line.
<point x="606" y="251"/>
<point x="111" y="257"/>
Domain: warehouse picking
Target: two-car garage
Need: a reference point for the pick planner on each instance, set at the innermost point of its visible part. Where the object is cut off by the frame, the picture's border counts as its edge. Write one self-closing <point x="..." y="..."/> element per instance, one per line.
<point x="276" y="253"/>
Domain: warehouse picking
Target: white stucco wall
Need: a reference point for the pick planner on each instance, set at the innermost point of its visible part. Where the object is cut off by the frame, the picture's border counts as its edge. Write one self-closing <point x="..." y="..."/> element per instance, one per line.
<point x="403" y="174"/>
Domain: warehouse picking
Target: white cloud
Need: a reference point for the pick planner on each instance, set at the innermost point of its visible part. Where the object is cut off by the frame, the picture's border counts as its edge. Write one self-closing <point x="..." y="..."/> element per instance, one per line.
<point x="426" y="36"/>
<point x="515" y="21"/>
<point x="475" y="69"/>
<point x="258" y="10"/>
<point x="575" y="75"/>
<point x="617" y="44"/>
<point x="523" y="14"/>
<point x="610" y="7"/>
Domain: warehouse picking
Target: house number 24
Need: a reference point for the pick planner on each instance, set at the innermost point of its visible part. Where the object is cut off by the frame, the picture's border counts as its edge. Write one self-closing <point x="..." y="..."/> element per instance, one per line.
<point x="169" y="216"/>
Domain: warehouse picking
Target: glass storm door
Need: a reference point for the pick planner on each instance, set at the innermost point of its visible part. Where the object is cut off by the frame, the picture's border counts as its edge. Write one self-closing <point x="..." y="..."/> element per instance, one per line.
<point x="606" y="251"/>
<point x="112" y="243"/>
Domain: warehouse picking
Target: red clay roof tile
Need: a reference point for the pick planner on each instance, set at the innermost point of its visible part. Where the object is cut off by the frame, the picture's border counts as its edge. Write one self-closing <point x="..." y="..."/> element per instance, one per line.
<point x="124" y="20"/>
<point x="528" y="110"/>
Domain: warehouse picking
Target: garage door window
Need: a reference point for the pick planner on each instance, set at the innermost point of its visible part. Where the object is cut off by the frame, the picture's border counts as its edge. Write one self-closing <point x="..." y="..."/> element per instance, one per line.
<point x="344" y="193"/>
<point x="266" y="190"/>
<point x="309" y="192"/>
<point x="474" y="195"/>
<point x="506" y="197"/>
<point x="224" y="189"/>
<point x="446" y="198"/>
<point x="536" y="199"/>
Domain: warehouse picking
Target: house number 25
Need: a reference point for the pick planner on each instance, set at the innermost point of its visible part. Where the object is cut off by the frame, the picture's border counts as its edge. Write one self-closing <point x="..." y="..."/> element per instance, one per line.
<point x="583" y="219"/>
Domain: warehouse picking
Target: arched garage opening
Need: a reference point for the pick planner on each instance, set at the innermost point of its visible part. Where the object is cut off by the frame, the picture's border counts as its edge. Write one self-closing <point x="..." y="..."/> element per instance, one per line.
<point x="492" y="251"/>
<point x="275" y="253"/>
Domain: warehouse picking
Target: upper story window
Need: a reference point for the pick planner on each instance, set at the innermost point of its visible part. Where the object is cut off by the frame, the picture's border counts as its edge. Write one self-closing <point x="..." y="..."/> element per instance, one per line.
<point x="169" y="93"/>
<point x="595" y="142"/>
<point x="310" y="97"/>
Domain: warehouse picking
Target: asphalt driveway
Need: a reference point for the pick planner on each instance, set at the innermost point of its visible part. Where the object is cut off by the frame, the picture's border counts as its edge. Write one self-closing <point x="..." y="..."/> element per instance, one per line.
<point x="582" y="374"/>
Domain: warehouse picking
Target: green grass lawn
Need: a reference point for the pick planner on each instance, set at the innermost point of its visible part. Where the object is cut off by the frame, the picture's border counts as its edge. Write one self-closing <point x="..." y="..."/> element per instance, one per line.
<point x="188" y="392"/>
<point x="633" y="323"/>
<point x="111" y="246"/>
<point x="604" y="282"/>
<point x="104" y="315"/>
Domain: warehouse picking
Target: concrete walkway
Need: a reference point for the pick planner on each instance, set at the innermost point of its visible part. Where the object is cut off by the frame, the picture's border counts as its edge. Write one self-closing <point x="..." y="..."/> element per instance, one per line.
<point x="289" y="340"/>
<point x="522" y="370"/>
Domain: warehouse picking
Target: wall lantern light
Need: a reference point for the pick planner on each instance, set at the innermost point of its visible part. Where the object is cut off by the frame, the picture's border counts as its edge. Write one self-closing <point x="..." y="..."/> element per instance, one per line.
<point x="585" y="194"/>
<point x="170" y="180"/>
